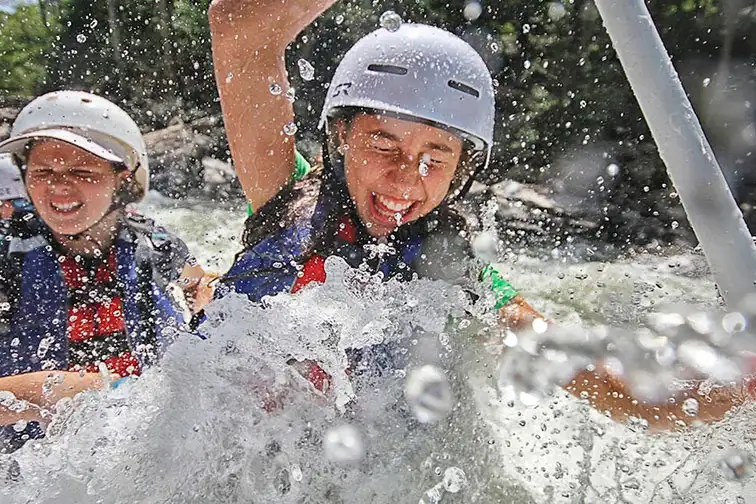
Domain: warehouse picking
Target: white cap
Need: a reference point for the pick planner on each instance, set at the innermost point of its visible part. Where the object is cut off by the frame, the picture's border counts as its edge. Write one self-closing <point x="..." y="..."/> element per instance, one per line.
<point x="87" y="121"/>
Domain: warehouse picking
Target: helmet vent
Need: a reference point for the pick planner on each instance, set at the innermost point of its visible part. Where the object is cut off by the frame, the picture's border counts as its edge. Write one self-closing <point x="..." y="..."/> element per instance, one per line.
<point x="389" y="69"/>
<point x="464" y="88"/>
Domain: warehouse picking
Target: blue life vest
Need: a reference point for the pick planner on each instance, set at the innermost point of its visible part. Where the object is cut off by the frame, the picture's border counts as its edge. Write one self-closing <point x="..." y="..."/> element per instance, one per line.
<point x="272" y="265"/>
<point x="276" y="263"/>
<point x="33" y="337"/>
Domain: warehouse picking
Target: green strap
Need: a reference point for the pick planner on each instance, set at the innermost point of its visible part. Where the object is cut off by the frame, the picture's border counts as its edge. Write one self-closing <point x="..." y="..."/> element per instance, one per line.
<point x="301" y="168"/>
<point x="503" y="291"/>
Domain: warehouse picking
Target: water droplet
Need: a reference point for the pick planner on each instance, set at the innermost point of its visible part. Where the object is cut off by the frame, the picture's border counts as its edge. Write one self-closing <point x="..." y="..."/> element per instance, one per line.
<point x="675" y="224"/>
<point x="734" y="322"/>
<point x="290" y="129"/>
<point x="81" y="38"/>
<point x="494" y="47"/>
<point x="343" y="444"/>
<point x="540" y="326"/>
<point x="275" y="89"/>
<point x="690" y="407"/>
<point x="196" y="65"/>
<point x="556" y="11"/>
<point x="472" y="10"/>
<point x="229" y="77"/>
<point x="296" y="472"/>
<point x="20" y="425"/>
<point x="306" y="70"/>
<point x="105" y="114"/>
<point x="93" y="24"/>
<point x="526" y="28"/>
<point x="339" y="19"/>
<point x="291" y="94"/>
<point x="454" y="479"/>
<point x="424" y="169"/>
<point x="734" y="464"/>
<point x="526" y="64"/>
<point x="391" y="21"/>
<point x="428" y="393"/>
<point x="706" y="82"/>
<point x="305" y="39"/>
<point x="612" y="170"/>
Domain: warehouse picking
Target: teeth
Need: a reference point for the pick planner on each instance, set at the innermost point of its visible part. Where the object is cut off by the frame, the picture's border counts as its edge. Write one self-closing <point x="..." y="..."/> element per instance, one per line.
<point x="66" y="207"/>
<point x="394" y="205"/>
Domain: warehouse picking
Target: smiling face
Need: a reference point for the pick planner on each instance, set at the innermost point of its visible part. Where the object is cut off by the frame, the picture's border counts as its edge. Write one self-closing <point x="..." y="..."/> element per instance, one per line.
<point x="397" y="171"/>
<point x="71" y="189"/>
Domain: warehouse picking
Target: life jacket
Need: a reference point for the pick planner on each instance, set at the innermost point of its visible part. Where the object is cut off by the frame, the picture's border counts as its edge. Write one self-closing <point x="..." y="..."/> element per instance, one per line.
<point x="278" y="264"/>
<point x="34" y="303"/>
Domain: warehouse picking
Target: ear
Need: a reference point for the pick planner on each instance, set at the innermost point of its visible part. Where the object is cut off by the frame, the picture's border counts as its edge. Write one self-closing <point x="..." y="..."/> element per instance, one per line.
<point x="341" y="132"/>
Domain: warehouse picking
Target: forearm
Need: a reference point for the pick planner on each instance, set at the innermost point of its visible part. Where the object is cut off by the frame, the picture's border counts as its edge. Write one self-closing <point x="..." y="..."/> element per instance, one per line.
<point x="43" y="389"/>
<point x="609" y="393"/>
<point x="518" y="315"/>
<point x="249" y="38"/>
<point x="254" y="119"/>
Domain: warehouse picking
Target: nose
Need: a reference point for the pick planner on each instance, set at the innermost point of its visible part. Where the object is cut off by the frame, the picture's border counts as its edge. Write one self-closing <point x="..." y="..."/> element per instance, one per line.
<point x="59" y="183"/>
<point x="406" y="172"/>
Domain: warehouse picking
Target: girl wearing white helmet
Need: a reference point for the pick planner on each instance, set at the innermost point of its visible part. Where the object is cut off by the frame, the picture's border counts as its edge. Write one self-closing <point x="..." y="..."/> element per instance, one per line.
<point x="409" y="119"/>
<point x="84" y="286"/>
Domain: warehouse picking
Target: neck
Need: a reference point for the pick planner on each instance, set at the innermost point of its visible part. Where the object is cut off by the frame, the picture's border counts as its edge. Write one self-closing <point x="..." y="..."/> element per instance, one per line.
<point x="95" y="241"/>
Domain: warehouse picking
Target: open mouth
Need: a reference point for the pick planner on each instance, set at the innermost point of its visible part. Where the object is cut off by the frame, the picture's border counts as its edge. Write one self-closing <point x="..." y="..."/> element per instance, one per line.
<point x="392" y="210"/>
<point x="66" y="208"/>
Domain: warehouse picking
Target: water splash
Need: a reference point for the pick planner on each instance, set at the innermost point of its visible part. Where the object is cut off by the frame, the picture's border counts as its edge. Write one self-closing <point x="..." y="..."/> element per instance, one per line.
<point x="472" y="10"/>
<point x="306" y="70"/>
<point x="290" y="129"/>
<point x="428" y="393"/>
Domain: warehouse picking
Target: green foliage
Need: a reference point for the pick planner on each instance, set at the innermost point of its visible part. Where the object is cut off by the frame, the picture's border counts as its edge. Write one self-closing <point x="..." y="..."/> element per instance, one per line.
<point x="24" y="41"/>
<point x="558" y="82"/>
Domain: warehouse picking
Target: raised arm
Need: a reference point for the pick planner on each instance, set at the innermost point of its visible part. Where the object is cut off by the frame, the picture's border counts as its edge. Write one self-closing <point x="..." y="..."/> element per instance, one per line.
<point x="249" y="38"/>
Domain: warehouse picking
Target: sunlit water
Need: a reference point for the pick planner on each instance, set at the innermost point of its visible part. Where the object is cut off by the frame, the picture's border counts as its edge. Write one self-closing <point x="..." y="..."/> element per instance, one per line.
<point x="223" y="420"/>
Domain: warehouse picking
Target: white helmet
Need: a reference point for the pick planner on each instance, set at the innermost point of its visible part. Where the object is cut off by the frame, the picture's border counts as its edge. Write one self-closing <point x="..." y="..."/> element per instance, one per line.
<point x="89" y="122"/>
<point x="421" y="72"/>
<point x="11" y="183"/>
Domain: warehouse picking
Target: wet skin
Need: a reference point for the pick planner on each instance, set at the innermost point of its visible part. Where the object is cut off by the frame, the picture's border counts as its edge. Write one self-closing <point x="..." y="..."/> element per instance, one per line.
<point x="71" y="189"/>
<point x="383" y="174"/>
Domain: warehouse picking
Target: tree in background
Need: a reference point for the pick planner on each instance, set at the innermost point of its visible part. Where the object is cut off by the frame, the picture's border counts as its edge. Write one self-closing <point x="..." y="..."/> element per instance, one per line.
<point x="25" y="39"/>
<point x="558" y="84"/>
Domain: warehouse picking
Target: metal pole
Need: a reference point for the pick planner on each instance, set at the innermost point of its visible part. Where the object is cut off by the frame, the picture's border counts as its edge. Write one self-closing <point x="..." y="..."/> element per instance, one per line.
<point x="706" y="198"/>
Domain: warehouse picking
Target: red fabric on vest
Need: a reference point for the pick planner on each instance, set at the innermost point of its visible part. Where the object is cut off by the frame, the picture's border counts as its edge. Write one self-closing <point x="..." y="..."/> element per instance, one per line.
<point x="314" y="271"/>
<point x="314" y="268"/>
<point x="97" y="319"/>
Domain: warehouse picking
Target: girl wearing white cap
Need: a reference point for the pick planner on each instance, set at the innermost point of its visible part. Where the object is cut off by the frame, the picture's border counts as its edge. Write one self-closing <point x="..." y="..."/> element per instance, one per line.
<point x="408" y="121"/>
<point x="83" y="294"/>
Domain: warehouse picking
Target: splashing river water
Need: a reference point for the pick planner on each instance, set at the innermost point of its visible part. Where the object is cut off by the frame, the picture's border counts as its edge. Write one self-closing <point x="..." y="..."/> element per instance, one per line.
<point x="224" y="420"/>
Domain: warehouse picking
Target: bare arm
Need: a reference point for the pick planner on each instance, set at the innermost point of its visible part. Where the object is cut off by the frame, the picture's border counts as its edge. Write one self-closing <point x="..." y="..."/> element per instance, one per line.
<point x="609" y="393"/>
<point x="42" y="390"/>
<point x="249" y="38"/>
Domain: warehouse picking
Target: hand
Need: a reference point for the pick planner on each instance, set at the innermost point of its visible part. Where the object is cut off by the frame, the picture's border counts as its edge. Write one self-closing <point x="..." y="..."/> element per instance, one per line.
<point x="199" y="291"/>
